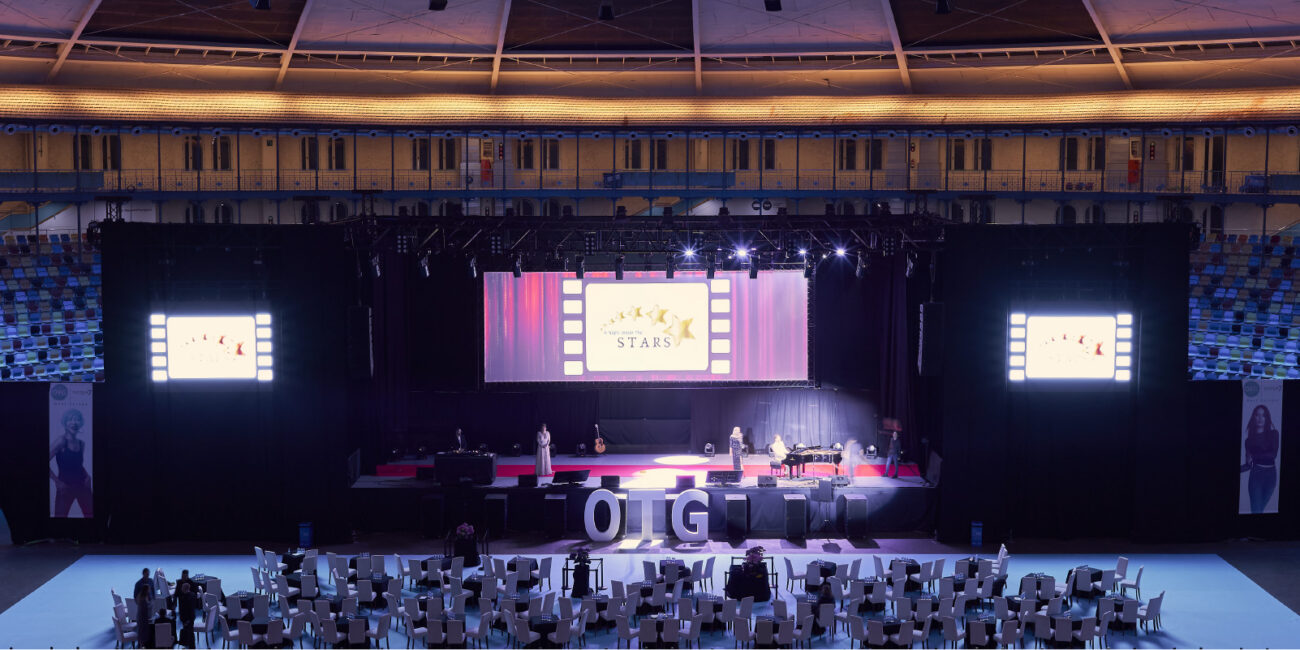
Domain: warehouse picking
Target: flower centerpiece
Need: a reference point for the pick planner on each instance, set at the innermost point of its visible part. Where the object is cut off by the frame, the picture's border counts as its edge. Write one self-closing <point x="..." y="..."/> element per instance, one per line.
<point x="754" y="558"/>
<point x="465" y="545"/>
<point x="750" y="577"/>
<point x="465" y="531"/>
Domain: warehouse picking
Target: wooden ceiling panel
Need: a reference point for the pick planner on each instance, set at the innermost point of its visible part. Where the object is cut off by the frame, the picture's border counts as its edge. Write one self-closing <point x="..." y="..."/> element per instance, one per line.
<point x="195" y="21"/>
<point x="573" y="25"/>
<point x="993" y="22"/>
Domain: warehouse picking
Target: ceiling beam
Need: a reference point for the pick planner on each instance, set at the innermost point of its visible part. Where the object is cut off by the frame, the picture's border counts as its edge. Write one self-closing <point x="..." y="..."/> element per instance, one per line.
<point x="695" y="39"/>
<point x="287" y="57"/>
<point x="66" y="48"/>
<point x="899" y="54"/>
<point x="1111" y="47"/>
<point x="501" y="43"/>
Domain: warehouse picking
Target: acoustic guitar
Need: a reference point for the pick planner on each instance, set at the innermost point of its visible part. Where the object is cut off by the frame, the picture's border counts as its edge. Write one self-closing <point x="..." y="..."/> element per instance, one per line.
<point x="599" y="446"/>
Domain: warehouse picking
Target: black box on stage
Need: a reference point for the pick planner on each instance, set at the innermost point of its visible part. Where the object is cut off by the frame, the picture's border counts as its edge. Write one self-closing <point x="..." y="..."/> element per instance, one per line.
<point x="929" y="349"/>
<point x="686" y="482"/>
<point x="840" y="480"/>
<point x="723" y="477"/>
<point x="609" y="481"/>
<point x="796" y="516"/>
<point x="426" y="472"/>
<point x="766" y="481"/>
<point x="737" y="515"/>
<point x="554" y="514"/>
<point x="855" y="515"/>
<point x="571" y="477"/>
<point x="527" y="480"/>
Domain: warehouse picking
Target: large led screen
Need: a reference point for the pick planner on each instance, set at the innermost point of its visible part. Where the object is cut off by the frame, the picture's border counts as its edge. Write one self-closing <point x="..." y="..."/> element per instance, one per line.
<point x="1070" y="346"/>
<point x="235" y="347"/>
<point x="552" y="327"/>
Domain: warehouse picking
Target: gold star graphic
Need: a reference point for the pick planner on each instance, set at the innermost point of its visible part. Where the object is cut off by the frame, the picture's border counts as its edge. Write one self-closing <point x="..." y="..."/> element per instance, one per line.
<point x="680" y="330"/>
<point x="657" y="315"/>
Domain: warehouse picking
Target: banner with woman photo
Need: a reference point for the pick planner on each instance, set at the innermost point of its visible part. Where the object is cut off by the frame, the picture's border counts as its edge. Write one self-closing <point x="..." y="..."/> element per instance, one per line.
<point x="1261" y="446"/>
<point x="71" y="451"/>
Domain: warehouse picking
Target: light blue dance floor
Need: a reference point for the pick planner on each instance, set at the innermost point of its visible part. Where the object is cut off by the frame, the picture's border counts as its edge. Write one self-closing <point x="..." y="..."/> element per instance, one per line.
<point x="1208" y="603"/>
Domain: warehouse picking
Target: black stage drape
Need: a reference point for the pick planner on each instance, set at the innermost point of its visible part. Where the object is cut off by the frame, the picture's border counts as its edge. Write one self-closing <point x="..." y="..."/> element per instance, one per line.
<point x="810" y="416"/>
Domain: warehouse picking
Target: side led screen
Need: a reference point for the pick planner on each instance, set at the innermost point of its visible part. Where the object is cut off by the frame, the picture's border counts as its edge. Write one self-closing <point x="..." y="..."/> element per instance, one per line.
<point x="1070" y="346"/>
<point x="233" y="347"/>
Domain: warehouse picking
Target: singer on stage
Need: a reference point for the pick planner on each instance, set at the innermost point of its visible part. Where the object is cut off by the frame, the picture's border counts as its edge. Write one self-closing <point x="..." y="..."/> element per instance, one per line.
<point x="737" y="442"/>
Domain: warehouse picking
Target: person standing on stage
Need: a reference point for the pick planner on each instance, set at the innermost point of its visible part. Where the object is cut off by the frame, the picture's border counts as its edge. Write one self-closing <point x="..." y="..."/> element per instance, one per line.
<point x="895" y="446"/>
<point x="852" y="456"/>
<point x="460" y="443"/>
<point x="737" y="442"/>
<point x="543" y="451"/>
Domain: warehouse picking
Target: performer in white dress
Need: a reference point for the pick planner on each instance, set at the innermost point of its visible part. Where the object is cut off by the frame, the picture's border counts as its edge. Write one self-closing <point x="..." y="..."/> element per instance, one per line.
<point x="779" y="450"/>
<point x="543" y="451"/>
<point x="853" y="455"/>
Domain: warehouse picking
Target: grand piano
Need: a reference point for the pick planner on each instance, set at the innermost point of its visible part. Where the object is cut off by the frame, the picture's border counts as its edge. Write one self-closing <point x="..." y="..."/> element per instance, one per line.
<point x="801" y="456"/>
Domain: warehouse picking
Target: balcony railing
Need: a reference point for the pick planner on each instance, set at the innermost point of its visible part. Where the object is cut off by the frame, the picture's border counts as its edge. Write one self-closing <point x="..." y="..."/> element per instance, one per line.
<point x="769" y="182"/>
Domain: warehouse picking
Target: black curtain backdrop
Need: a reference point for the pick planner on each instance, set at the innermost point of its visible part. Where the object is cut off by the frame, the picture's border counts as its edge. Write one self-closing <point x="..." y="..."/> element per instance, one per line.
<point x="813" y="417"/>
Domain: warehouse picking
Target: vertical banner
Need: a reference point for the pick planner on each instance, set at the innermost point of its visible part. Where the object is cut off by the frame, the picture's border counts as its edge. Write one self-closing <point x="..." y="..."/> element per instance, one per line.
<point x="71" y="451"/>
<point x="1261" y="446"/>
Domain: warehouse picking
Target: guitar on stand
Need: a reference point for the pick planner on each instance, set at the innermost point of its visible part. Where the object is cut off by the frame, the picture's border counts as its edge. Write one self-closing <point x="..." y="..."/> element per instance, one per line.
<point x="599" y="445"/>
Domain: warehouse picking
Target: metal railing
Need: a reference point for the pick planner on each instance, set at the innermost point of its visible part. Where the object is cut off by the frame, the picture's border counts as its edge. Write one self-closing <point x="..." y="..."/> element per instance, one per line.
<point x="774" y="182"/>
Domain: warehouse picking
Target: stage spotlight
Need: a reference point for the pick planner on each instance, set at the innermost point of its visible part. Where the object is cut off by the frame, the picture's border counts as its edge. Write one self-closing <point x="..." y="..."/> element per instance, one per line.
<point x="742" y="252"/>
<point x="689" y="252"/>
<point x="618" y="267"/>
<point x="803" y="252"/>
<point x="260" y="5"/>
<point x="517" y="266"/>
<point x="590" y="243"/>
<point x="943" y="7"/>
<point x="496" y="245"/>
<point x="861" y="271"/>
<point x="606" y="10"/>
<point x="582" y="267"/>
<point x="424" y="265"/>
<point x="710" y="266"/>
<point x="374" y="265"/>
<point x="437" y="5"/>
<point x="473" y="267"/>
<point x="708" y="449"/>
<point x="841" y="252"/>
<point x="911" y="265"/>
<point x="670" y="266"/>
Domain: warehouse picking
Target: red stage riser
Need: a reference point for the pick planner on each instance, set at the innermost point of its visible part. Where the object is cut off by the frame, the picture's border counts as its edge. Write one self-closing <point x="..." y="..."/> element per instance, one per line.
<point x="630" y="471"/>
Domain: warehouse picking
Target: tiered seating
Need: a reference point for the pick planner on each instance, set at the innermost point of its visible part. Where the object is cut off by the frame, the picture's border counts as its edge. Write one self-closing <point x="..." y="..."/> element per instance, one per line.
<point x="1243" y="320"/>
<point x="50" y="310"/>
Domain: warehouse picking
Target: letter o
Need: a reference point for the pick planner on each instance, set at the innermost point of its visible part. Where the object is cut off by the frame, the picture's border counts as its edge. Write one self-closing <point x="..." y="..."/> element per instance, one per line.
<point x="589" y="516"/>
<point x="698" y="531"/>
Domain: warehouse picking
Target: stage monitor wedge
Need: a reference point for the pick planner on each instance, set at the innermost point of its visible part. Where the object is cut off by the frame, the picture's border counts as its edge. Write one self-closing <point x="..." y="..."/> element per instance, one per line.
<point x="723" y="477"/>
<point x="571" y="477"/>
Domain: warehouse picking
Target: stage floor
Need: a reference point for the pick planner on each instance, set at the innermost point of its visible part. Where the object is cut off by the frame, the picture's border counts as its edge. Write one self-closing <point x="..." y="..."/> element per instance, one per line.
<point x="655" y="470"/>
<point x="1208" y="603"/>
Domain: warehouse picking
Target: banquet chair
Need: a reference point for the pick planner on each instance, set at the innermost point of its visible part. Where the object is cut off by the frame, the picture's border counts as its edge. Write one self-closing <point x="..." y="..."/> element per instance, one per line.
<point x="812" y="577"/>
<point x="826" y="618"/>
<point x="926" y="574"/>
<point x="563" y="633"/>
<point x="1001" y="571"/>
<point x="363" y="567"/>
<point x="1103" y="629"/>
<point x="119" y="613"/>
<point x="905" y="634"/>
<point x="322" y="609"/>
<point x="357" y="633"/>
<point x="612" y="611"/>
<point x="117" y="600"/>
<point x="1128" y="615"/>
<point x="1150" y="612"/>
<point x="924" y="609"/>
<point x="963" y="567"/>
<point x="350" y="607"/>
<point x="566" y="608"/>
<point x="1001" y="611"/>
<point x="937" y="573"/>
<point x="1121" y="568"/>
<point x="342" y="587"/>
<point x="672" y="632"/>
<point x="480" y="636"/>
<point x="951" y="632"/>
<point x="903" y="608"/>
<point x="261" y="606"/>
<point x="233" y="608"/>
<point x="1029" y="586"/>
<point x="294" y="632"/>
<point x="675" y="596"/>
<point x="1107" y="582"/>
<point x="790" y="576"/>
<point x="310" y="587"/>
<point x="618" y="589"/>
<point x="625" y="632"/>
<point x="855" y="570"/>
<point x="693" y="628"/>
<point x="764" y="633"/>
<point x="309" y="563"/>
<point x="246" y="636"/>
<point x="499" y="567"/>
<point x="708" y="571"/>
<point x="162" y="636"/>
<point x="857" y="629"/>
<point x="842" y="572"/>
<point x="543" y="572"/>
<point x="741" y="631"/>
<point x="729" y="613"/>
<point x="1053" y="606"/>
<point x="548" y="607"/>
<point x="414" y="633"/>
<point x="803" y="634"/>
<point x="875" y="636"/>
<point x="258" y="584"/>
<point x="285" y="591"/>
<point x="380" y="633"/>
<point x="274" y="636"/>
<point x="986" y="591"/>
<point x="1042" y="626"/>
<point x="379" y="564"/>
<point x="228" y="636"/>
<point x="1064" y="591"/>
<point x="977" y="634"/>
<point x="490" y="588"/>
<point x="879" y="596"/>
<point x="435" y="637"/>
<point x="1086" y="632"/>
<point x="1135" y="584"/>
<point x="659" y="597"/>
<point x="672" y="573"/>
<point x="457" y="569"/>
<point x="1047" y="587"/>
<point x="697" y="573"/>
<point x="1011" y="634"/>
<point x="329" y="633"/>
<point x="648" y="570"/>
<point x="273" y="563"/>
<point x="647" y="635"/>
<point x="984" y="569"/>
<point x="880" y="567"/>
<point x="898" y="579"/>
<point x="123" y="637"/>
<point x="922" y="636"/>
<point x="457" y="608"/>
<point x="1062" y="630"/>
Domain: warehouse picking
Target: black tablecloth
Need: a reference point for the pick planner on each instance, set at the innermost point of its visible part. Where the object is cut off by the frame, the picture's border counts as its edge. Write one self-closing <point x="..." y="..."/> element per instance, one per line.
<point x="293" y="561"/>
<point x="742" y="583"/>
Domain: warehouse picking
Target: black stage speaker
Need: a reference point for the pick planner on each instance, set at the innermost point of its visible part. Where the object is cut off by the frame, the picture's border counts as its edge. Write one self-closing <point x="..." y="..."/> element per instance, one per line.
<point x="796" y="516"/>
<point x="609" y="481"/>
<point x="766" y="481"/>
<point x="426" y="472"/>
<point x="554" y="513"/>
<point x="571" y="477"/>
<point x="855" y="515"/>
<point x="686" y="482"/>
<point x="929" y="350"/>
<point x="361" y="361"/>
<point x="737" y="516"/>
<point x="527" y="480"/>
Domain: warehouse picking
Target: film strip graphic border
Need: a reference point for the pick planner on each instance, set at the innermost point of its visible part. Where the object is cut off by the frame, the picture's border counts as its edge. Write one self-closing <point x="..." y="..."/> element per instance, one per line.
<point x="573" y="310"/>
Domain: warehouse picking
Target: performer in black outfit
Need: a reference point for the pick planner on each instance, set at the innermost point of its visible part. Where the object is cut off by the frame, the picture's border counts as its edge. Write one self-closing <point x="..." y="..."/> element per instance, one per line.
<point x="461" y="442"/>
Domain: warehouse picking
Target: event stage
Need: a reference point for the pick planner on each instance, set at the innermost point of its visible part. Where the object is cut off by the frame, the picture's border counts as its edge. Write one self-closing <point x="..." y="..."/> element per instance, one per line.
<point x="893" y="504"/>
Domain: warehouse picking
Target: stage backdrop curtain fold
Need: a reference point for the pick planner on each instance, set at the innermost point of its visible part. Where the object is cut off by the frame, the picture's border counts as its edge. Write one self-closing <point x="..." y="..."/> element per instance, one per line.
<point x="897" y="357"/>
<point x="810" y="416"/>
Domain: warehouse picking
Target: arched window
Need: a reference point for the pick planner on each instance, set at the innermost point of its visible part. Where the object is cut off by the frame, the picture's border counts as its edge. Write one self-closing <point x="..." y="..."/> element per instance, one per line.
<point x="225" y="213"/>
<point x="525" y="208"/>
<point x="310" y="213"/>
<point x="1096" y="214"/>
<point x="1066" y="215"/>
<point x="194" y="213"/>
<point x="338" y="211"/>
<point x="1215" y="219"/>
